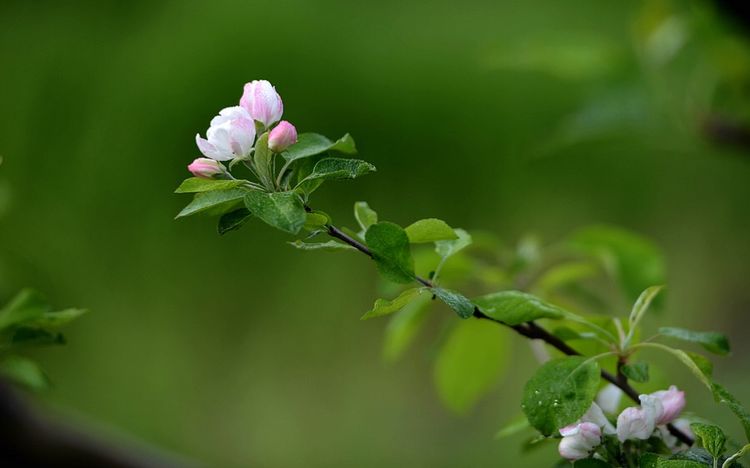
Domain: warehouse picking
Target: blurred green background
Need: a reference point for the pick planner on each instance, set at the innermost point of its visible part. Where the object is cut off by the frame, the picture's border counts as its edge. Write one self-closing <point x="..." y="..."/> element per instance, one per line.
<point x="511" y="117"/>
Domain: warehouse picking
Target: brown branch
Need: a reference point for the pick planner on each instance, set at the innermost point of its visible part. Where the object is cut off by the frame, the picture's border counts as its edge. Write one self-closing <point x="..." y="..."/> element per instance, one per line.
<point x="529" y="330"/>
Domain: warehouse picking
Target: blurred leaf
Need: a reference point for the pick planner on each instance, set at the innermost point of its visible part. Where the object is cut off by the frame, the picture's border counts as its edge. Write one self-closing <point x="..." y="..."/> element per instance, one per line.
<point x="516" y="307"/>
<point x="330" y="246"/>
<point x="54" y="319"/>
<point x="196" y="185"/>
<point x="311" y="144"/>
<point x="564" y="274"/>
<point x="560" y="392"/>
<point x="514" y="427"/>
<point x="470" y="362"/>
<point x="233" y="220"/>
<point x="282" y="210"/>
<point x="25" y="372"/>
<point x="637" y="372"/>
<point x="712" y="341"/>
<point x="641" y="305"/>
<point x="404" y="325"/>
<point x="722" y="395"/>
<point x="263" y="160"/>
<point x="712" y="438"/>
<point x="429" y="230"/>
<point x="26" y="305"/>
<point x="215" y="202"/>
<point x="385" y="306"/>
<point x="24" y="336"/>
<point x="447" y="248"/>
<point x="391" y="251"/>
<point x="364" y="215"/>
<point x="635" y="261"/>
<point x="460" y="304"/>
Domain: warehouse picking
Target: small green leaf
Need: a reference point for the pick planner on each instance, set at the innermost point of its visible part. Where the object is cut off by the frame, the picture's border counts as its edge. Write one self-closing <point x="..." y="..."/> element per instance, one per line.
<point x="696" y="367"/>
<point x="448" y="248"/>
<point x="391" y="251"/>
<point x="385" y="306"/>
<point x="311" y="144"/>
<point x="560" y="392"/>
<point x="470" y="362"/>
<point x="516" y="307"/>
<point x="637" y="372"/>
<point x="711" y="341"/>
<point x="196" y="185"/>
<point x="404" y="325"/>
<point x="460" y="304"/>
<point x="729" y="461"/>
<point x="712" y="438"/>
<point x="26" y="305"/>
<point x="24" y="372"/>
<point x="316" y="220"/>
<point x="233" y="220"/>
<point x="54" y="319"/>
<point x="330" y="246"/>
<point x="282" y="210"/>
<point x="339" y="168"/>
<point x="429" y="230"/>
<point x="364" y="215"/>
<point x="215" y="202"/>
<point x="263" y="159"/>
<point x="722" y="395"/>
<point x="641" y="305"/>
<point x="673" y="463"/>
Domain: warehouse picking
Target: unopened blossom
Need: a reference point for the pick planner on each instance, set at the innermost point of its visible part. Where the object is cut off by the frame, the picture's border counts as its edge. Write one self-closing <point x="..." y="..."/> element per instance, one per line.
<point x="231" y="135"/>
<point x="579" y="440"/>
<point x="282" y="136"/>
<point x="262" y="102"/>
<point x="639" y="423"/>
<point x="206" y="168"/>
<point x="609" y="398"/>
<point x="672" y="401"/>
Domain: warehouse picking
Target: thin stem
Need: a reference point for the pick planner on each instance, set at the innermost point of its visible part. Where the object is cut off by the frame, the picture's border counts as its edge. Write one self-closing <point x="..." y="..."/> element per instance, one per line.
<point x="529" y="330"/>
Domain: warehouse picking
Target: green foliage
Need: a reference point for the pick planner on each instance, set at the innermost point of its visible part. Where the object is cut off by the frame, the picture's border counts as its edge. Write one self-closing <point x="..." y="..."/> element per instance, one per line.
<point x="197" y="185"/>
<point x="365" y="216"/>
<point x="516" y="307"/>
<point x="459" y="303"/>
<point x="712" y="438"/>
<point x="312" y="144"/>
<point x="639" y="309"/>
<point x="448" y="248"/>
<point x="233" y="220"/>
<point x="337" y="168"/>
<point x="722" y="395"/>
<point x="429" y="230"/>
<point x="214" y="202"/>
<point x="263" y="159"/>
<point x="560" y="392"/>
<point x="390" y="248"/>
<point x="470" y="362"/>
<point x="712" y="341"/>
<point x="386" y="307"/>
<point x="637" y="372"/>
<point x="404" y="326"/>
<point x="25" y="372"/>
<point x="282" y="210"/>
<point x="591" y="463"/>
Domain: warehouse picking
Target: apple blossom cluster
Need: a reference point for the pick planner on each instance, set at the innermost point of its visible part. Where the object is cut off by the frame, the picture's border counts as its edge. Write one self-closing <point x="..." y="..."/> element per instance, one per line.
<point x="232" y="134"/>
<point x="580" y="439"/>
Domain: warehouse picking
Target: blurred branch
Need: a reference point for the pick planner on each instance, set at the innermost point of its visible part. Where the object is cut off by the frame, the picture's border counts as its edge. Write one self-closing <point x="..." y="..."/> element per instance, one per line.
<point x="529" y="330"/>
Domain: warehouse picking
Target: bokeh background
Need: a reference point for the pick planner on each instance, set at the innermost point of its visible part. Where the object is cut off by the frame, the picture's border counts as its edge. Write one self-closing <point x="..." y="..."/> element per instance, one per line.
<point x="511" y="116"/>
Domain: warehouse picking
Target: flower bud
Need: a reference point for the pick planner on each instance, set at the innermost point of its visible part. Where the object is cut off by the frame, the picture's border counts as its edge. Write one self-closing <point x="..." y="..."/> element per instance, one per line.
<point x="282" y="136"/>
<point x="609" y="398"/>
<point x="262" y="102"/>
<point x="231" y="135"/>
<point x="579" y="440"/>
<point x="639" y="423"/>
<point x="672" y="401"/>
<point x="206" y="168"/>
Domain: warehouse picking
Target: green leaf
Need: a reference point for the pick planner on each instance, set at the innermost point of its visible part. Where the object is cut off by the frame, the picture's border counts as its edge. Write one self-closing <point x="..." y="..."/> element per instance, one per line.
<point x="386" y="307"/>
<point x="514" y="427"/>
<point x="460" y="304"/>
<point x="671" y="463"/>
<point x="54" y="319"/>
<point x="634" y="260"/>
<point x="316" y="220"/>
<point x="711" y="341"/>
<point x="448" y="248"/>
<point x="516" y="307"/>
<point x="712" y="438"/>
<point x="391" y="251"/>
<point x="282" y="210"/>
<point x="404" y="325"/>
<point x="364" y="215"/>
<point x="560" y="392"/>
<point x="697" y="367"/>
<point x="311" y="144"/>
<point x="722" y="395"/>
<point x="470" y="362"/>
<point x="263" y="159"/>
<point x="196" y="185"/>
<point x="429" y="230"/>
<point x="642" y="304"/>
<point x="339" y="168"/>
<point x="24" y="372"/>
<point x="330" y="246"/>
<point x="233" y="220"/>
<point x="729" y="461"/>
<point x="565" y="274"/>
<point x="637" y="372"/>
<point x="591" y="463"/>
<point x="25" y="336"/>
<point x="215" y="202"/>
<point x="26" y="305"/>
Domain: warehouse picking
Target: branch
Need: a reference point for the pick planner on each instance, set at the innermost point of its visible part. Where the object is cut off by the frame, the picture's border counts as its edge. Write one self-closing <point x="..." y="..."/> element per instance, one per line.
<point x="529" y="330"/>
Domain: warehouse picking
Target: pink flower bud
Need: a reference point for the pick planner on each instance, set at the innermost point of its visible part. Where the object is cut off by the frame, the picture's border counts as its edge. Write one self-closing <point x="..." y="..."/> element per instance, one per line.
<point x="206" y="168"/>
<point x="579" y="440"/>
<point x="262" y="102"/>
<point x="639" y="423"/>
<point x="282" y="136"/>
<point x="672" y="401"/>
<point x="231" y="135"/>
